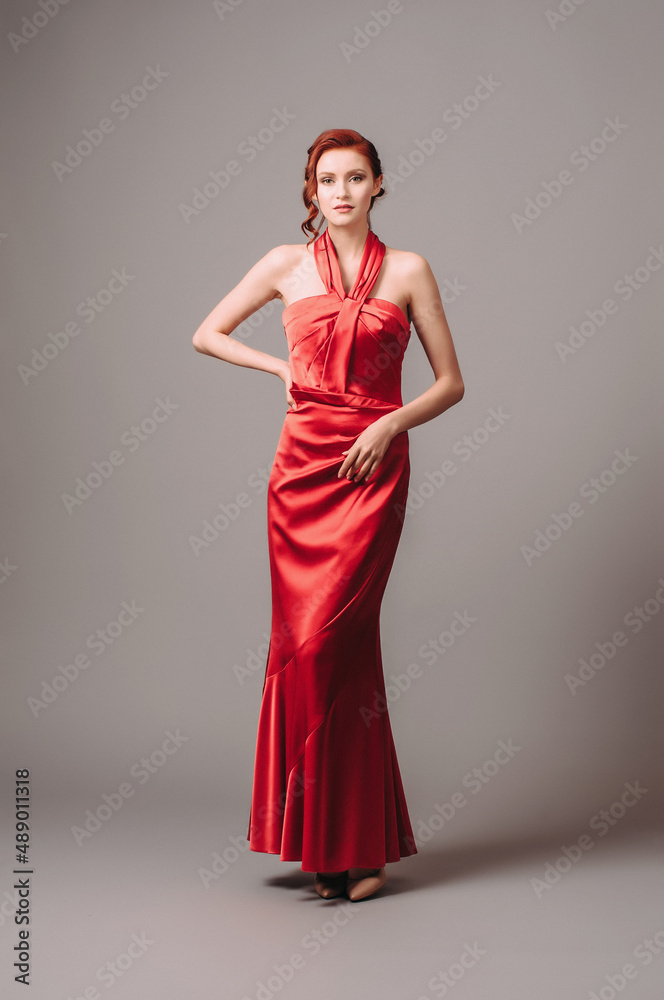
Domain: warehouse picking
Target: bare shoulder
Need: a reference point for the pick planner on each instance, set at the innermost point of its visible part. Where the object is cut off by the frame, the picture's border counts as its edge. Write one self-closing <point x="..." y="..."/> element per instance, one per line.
<point x="283" y="255"/>
<point x="292" y="251"/>
<point x="408" y="263"/>
<point x="278" y="262"/>
<point x="288" y="256"/>
<point x="413" y="274"/>
<point x="287" y="264"/>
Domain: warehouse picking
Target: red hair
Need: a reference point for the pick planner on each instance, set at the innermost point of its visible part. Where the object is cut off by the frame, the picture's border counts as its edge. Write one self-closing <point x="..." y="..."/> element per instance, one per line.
<point x="334" y="138"/>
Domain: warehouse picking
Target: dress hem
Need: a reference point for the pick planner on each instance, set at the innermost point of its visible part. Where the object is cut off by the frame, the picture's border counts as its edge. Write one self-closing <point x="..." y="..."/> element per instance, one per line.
<point x="386" y="861"/>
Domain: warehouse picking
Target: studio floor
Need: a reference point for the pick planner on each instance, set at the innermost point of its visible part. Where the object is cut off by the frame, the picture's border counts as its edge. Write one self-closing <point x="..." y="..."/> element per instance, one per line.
<point x="176" y="910"/>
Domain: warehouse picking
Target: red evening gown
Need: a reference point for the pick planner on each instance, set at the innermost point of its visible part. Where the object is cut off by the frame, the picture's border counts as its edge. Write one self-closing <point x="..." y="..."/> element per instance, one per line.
<point x="327" y="790"/>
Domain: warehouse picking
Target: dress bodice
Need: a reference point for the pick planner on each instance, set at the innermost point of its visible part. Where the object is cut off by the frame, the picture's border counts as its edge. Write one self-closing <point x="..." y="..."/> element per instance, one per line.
<point x="347" y="343"/>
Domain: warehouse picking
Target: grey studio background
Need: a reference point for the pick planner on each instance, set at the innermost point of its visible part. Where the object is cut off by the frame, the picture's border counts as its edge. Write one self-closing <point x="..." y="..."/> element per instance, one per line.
<point x="522" y="150"/>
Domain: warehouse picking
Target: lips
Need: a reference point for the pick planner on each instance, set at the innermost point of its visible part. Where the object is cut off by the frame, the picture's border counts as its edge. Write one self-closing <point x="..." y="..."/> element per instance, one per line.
<point x="343" y="208"/>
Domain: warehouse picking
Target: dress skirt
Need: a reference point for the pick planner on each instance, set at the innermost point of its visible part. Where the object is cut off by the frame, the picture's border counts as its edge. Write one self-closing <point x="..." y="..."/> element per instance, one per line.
<point x="327" y="789"/>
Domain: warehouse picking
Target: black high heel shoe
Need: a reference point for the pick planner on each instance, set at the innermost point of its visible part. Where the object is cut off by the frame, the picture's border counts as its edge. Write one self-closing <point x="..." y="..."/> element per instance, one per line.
<point x="330" y="884"/>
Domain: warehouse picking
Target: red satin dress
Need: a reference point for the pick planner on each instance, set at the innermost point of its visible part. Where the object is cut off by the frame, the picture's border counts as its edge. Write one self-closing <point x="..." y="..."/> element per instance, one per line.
<point x="327" y="790"/>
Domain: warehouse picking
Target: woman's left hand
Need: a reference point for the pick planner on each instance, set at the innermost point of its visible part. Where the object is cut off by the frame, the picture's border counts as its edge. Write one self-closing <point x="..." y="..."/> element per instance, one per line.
<point x="367" y="451"/>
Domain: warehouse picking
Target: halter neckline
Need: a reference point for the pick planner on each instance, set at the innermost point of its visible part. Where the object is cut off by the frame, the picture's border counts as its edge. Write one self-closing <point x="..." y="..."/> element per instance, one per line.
<point x="329" y="269"/>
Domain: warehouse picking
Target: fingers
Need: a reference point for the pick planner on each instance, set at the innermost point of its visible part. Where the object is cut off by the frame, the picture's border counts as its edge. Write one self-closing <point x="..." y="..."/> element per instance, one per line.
<point x="288" y="381"/>
<point x="358" y="467"/>
<point x="366" y="453"/>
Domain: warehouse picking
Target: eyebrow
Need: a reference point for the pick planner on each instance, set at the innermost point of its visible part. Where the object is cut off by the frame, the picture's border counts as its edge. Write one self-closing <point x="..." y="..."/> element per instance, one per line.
<point x="330" y="173"/>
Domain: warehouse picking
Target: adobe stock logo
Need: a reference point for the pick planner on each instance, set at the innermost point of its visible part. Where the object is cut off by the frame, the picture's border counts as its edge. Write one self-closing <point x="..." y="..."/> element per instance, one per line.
<point x="454" y="116"/>
<point x="122" y="107"/>
<point x="98" y="642"/>
<point x="565" y="10"/>
<point x="114" y="801"/>
<point x="581" y="158"/>
<point x="362" y="37"/>
<point x="249" y="149"/>
<point x="31" y="26"/>
<point x="592" y="490"/>
<point x="615" y="982"/>
<point x="602" y="822"/>
<point x="131" y="439"/>
<point x="625" y="288"/>
<point x="636" y="619"/>
<point x="88" y="309"/>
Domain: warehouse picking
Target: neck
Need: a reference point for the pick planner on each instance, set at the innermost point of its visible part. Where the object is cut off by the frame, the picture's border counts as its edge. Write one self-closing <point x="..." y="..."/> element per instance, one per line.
<point x="348" y="241"/>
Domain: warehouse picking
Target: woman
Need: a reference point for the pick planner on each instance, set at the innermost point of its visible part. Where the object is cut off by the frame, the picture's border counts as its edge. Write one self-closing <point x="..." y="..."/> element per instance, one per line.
<point x="327" y="789"/>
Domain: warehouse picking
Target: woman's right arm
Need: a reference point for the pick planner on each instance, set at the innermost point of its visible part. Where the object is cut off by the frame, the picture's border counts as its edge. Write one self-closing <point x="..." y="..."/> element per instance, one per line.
<point x="259" y="286"/>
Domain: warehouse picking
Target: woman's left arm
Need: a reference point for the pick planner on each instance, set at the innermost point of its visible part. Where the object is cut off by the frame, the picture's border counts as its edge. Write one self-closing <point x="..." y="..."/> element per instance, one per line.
<point x="428" y="317"/>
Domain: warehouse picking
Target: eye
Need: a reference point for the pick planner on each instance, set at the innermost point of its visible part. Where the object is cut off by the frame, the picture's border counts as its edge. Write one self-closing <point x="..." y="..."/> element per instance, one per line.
<point x="356" y="177"/>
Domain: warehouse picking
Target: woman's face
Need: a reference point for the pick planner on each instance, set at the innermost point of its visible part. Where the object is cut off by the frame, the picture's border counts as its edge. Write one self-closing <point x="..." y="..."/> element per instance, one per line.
<point x="344" y="177"/>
